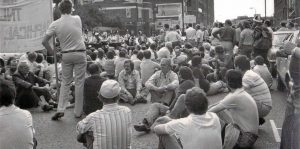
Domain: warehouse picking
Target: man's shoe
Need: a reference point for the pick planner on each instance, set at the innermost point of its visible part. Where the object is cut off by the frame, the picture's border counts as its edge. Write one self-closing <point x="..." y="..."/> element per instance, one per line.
<point x="53" y="103"/>
<point x="261" y="121"/>
<point x="47" y="108"/>
<point x="57" y="115"/>
<point x="142" y="128"/>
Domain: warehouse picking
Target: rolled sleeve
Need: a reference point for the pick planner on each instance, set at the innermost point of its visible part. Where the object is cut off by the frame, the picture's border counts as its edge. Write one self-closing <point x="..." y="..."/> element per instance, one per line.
<point x="85" y="124"/>
<point x="150" y="84"/>
<point x="51" y="30"/>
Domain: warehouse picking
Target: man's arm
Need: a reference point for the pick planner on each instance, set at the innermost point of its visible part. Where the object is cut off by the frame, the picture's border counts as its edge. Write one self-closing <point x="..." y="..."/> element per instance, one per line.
<point x="175" y="81"/>
<point x="150" y="83"/>
<point x="122" y="83"/>
<point x="160" y="129"/>
<point x="85" y="124"/>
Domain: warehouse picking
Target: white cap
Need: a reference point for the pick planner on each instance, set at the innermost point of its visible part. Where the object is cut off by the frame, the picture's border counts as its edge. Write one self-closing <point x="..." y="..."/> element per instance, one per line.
<point x="110" y="89"/>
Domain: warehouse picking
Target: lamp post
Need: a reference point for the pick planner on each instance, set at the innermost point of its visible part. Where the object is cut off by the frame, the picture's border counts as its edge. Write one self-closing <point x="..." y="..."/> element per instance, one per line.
<point x="254" y="10"/>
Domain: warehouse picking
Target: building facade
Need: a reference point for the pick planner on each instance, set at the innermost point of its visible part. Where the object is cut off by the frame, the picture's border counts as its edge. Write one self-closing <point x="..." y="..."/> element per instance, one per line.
<point x="286" y="10"/>
<point x="150" y="15"/>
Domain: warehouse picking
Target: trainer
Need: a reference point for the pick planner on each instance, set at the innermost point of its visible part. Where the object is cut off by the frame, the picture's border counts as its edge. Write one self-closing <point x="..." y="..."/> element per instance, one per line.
<point x="68" y="30"/>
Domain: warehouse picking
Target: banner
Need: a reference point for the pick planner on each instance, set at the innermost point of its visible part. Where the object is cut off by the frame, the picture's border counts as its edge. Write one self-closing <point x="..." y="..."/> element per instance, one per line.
<point x="23" y="24"/>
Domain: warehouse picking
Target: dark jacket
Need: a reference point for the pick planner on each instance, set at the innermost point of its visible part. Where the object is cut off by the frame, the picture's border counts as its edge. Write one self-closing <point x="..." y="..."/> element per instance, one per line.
<point x="92" y="85"/>
<point x="25" y="83"/>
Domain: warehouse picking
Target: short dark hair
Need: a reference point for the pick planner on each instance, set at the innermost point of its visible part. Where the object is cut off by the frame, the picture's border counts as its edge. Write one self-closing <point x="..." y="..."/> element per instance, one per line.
<point x="110" y="54"/>
<point x="242" y="62"/>
<point x="131" y="64"/>
<point x="268" y="23"/>
<point x="186" y="73"/>
<point x="140" y="55"/>
<point x="100" y="53"/>
<point x="135" y="52"/>
<point x="7" y="93"/>
<point x="122" y="53"/>
<point x="93" y="68"/>
<point x="9" y="60"/>
<point x="39" y="58"/>
<point x="153" y="46"/>
<point x="283" y="24"/>
<point x="93" y="56"/>
<point x="234" y="78"/>
<point x="196" y="101"/>
<point x="177" y="26"/>
<point x="259" y="60"/>
<point x="196" y="60"/>
<point x="246" y="24"/>
<point x="166" y="26"/>
<point x="228" y="22"/>
<point x="190" y="24"/>
<point x="147" y="54"/>
<point x="65" y="6"/>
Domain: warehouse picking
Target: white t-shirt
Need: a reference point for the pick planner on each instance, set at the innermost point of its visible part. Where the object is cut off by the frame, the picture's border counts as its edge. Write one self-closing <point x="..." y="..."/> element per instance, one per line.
<point x="242" y="109"/>
<point x="68" y="29"/>
<point x="197" y="131"/>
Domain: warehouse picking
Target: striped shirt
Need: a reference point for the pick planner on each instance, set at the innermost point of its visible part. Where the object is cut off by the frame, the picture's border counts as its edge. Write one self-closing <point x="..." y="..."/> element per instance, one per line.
<point x="111" y="127"/>
<point x="257" y="88"/>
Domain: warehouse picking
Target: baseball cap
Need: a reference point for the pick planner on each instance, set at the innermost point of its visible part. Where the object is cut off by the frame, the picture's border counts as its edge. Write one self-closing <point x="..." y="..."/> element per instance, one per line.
<point x="110" y="89"/>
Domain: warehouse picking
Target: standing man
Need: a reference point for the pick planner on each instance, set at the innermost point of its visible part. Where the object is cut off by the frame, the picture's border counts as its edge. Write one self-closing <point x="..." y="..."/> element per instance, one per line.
<point x="227" y="38"/>
<point x="191" y="34"/>
<point x="68" y="30"/>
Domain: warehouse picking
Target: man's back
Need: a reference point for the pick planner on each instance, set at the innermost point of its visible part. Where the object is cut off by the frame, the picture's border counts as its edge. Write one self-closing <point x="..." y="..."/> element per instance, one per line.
<point x="68" y="29"/>
<point x="190" y="33"/>
<point x="243" y="110"/>
<point x="16" y="128"/>
<point x="111" y="127"/>
<point x="172" y="36"/>
<point x="197" y="131"/>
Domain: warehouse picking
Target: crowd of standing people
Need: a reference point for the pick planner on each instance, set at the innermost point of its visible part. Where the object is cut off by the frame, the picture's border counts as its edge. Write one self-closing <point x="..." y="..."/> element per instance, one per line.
<point x="175" y="75"/>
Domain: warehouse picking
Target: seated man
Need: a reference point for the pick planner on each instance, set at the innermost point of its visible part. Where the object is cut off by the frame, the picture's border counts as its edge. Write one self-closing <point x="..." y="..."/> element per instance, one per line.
<point x="200" y="129"/>
<point x="176" y="109"/>
<point x="31" y="90"/>
<point x="92" y="85"/>
<point x="162" y="84"/>
<point x="16" y="127"/>
<point x="262" y="70"/>
<point x="221" y="63"/>
<point x="255" y="86"/>
<point x="239" y="112"/>
<point x="116" y="119"/>
<point x="131" y="84"/>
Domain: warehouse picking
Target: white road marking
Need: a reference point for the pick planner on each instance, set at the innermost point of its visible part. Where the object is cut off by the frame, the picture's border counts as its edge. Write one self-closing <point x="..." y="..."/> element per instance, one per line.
<point x="275" y="131"/>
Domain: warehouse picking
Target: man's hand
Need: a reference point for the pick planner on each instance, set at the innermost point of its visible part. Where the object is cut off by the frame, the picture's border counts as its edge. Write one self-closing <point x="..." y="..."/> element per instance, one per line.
<point x="163" y="120"/>
<point x="162" y="89"/>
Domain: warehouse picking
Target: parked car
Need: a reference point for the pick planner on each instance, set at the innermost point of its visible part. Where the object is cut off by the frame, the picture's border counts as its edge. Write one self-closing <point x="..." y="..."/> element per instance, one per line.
<point x="279" y="63"/>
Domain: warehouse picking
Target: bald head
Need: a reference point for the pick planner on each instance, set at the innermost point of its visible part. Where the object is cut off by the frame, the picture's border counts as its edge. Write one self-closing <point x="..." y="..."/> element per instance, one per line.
<point x="23" y="68"/>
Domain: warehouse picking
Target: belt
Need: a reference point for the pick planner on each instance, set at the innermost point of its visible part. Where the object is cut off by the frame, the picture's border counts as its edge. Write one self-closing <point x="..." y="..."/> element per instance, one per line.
<point x="71" y="51"/>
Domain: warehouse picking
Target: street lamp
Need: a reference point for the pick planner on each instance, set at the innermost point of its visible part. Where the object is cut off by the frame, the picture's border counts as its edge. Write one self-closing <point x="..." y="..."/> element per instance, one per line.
<point x="254" y="10"/>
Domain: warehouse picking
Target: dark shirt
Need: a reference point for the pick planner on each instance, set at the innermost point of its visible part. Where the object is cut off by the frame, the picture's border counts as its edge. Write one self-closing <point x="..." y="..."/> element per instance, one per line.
<point x="92" y="85"/>
<point x="198" y="74"/>
<point x="226" y="33"/>
<point x="26" y="83"/>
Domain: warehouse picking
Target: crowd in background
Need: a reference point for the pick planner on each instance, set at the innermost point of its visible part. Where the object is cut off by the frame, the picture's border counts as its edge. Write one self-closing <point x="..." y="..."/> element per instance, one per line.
<point x="175" y="74"/>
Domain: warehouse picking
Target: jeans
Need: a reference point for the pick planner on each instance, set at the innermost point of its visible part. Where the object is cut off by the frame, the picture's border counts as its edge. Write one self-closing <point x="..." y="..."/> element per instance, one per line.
<point x="72" y="62"/>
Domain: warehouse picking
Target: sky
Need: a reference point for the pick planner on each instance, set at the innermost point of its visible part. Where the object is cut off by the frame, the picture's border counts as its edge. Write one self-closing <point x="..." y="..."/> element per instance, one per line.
<point x="230" y="9"/>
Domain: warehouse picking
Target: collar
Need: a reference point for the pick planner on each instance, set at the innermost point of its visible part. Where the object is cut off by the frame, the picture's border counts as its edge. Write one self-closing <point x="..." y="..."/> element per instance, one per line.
<point x="110" y="107"/>
<point x="65" y="15"/>
<point x="7" y="110"/>
<point x="239" y="90"/>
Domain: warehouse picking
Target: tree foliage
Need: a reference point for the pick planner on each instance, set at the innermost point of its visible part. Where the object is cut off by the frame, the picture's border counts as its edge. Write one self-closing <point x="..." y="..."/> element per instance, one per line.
<point x="92" y="16"/>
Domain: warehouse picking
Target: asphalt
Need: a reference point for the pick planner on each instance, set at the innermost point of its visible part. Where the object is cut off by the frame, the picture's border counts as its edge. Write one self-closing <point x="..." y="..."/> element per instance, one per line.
<point x="62" y="134"/>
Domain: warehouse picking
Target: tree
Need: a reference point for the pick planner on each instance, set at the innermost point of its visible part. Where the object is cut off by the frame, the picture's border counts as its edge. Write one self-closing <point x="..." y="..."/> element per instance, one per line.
<point x="90" y="15"/>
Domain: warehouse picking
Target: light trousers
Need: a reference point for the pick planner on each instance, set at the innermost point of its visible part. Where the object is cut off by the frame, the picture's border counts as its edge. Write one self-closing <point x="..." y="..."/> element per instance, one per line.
<point x="72" y="63"/>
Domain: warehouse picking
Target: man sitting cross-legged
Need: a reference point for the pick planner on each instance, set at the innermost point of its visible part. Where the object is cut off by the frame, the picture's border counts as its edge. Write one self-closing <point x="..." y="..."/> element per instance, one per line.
<point x="176" y="109"/>
<point x="162" y="84"/>
<point x="201" y="129"/>
<point x="31" y="90"/>
<point x="238" y="111"/>
<point x="131" y="84"/>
